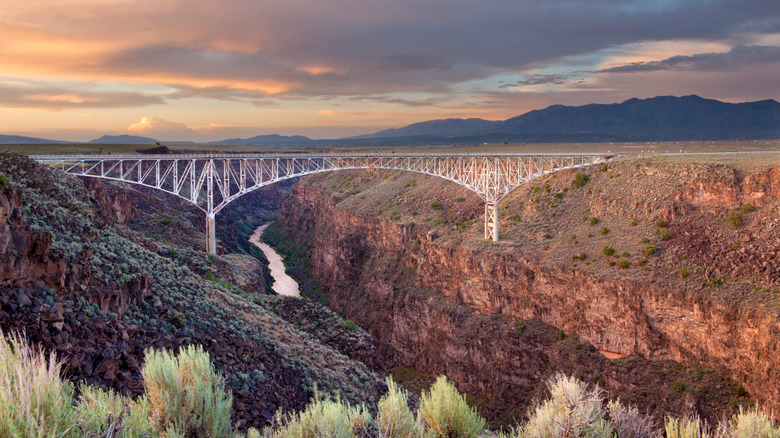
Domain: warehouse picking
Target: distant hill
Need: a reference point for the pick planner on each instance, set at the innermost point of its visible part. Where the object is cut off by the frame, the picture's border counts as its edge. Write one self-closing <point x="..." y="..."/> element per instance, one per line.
<point x="124" y="139"/>
<point x="18" y="139"/>
<point x="272" y="139"/>
<point x="440" y="127"/>
<point x="658" y="118"/>
<point x="663" y="118"/>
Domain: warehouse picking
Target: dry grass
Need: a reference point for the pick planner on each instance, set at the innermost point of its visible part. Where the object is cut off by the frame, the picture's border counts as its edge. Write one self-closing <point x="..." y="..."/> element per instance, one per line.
<point x="34" y="401"/>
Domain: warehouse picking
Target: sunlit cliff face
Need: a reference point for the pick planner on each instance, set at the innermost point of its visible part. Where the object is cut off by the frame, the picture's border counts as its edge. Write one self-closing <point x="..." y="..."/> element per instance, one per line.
<point x="74" y="68"/>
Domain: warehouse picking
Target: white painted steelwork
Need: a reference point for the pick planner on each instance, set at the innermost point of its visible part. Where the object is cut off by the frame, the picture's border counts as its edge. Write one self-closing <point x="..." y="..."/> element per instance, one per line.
<point x="211" y="182"/>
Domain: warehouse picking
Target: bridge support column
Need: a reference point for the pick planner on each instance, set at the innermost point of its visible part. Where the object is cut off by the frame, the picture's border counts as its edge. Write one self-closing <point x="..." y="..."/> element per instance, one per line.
<point x="211" y="234"/>
<point x="491" y="222"/>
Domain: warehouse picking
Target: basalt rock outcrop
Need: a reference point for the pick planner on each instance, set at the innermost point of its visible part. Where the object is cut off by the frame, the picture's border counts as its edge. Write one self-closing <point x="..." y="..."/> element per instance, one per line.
<point x="439" y="307"/>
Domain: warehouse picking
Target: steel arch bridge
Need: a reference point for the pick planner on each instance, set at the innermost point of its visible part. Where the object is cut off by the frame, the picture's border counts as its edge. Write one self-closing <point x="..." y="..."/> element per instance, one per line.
<point x="213" y="181"/>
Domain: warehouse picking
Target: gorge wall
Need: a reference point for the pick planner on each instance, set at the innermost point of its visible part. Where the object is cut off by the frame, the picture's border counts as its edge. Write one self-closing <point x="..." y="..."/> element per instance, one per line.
<point x="455" y="308"/>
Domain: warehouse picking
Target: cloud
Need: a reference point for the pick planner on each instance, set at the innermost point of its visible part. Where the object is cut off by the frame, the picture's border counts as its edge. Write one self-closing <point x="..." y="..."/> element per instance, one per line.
<point x="738" y="57"/>
<point x="155" y="127"/>
<point x="20" y="93"/>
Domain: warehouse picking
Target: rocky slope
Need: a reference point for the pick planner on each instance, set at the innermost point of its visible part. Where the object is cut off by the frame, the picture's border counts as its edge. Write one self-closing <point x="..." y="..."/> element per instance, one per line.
<point x="77" y="280"/>
<point x="640" y="262"/>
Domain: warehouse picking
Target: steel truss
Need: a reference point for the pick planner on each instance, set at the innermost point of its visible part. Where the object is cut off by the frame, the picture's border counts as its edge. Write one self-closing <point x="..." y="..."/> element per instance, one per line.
<point x="211" y="182"/>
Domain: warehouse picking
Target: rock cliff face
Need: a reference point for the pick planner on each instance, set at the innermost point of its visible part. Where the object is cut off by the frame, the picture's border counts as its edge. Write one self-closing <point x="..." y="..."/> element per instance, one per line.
<point x="24" y="253"/>
<point x="439" y="307"/>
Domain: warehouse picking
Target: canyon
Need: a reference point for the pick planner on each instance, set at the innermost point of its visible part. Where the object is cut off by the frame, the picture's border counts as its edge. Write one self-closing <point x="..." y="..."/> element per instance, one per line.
<point x="438" y="298"/>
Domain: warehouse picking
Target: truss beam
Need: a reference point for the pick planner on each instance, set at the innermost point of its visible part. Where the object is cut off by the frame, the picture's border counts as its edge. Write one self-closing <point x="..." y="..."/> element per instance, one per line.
<point x="211" y="182"/>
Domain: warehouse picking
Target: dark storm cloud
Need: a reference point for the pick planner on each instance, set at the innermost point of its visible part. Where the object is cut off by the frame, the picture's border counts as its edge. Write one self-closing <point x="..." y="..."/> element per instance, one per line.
<point x="737" y="57"/>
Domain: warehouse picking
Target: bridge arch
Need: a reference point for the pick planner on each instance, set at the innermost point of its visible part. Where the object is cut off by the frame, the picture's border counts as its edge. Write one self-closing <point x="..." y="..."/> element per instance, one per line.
<point x="211" y="182"/>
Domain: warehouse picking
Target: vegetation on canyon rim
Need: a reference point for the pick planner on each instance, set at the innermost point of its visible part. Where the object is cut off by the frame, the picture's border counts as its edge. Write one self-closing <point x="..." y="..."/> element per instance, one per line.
<point x="186" y="397"/>
<point x="194" y="297"/>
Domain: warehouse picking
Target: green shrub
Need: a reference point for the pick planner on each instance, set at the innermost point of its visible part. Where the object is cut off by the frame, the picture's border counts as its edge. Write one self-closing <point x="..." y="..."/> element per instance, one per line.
<point x="546" y="235"/>
<point x="101" y="413"/>
<point x="748" y="208"/>
<point x="609" y="252"/>
<point x="633" y="222"/>
<point x="323" y="418"/>
<point x="435" y="205"/>
<point x="186" y="395"/>
<point x="594" y="220"/>
<point x="678" y="386"/>
<point x="460" y="199"/>
<point x="604" y="230"/>
<point x="572" y="410"/>
<point x="641" y="262"/>
<point x="394" y="418"/>
<point x="685" y="428"/>
<point x="750" y="423"/>
<point x="3" y="180"/>
<point x="623" y="264"/>
<point x="683" y="273"/>
<point x="605" y="167"/>
<point x="660" y="223"/>
<point x="664" y="234"/>
<point x="650" y="249"/>
<point x="446" y="414"/>
<point x="34" y="401"/>
<point x="612" y="263"/>
<point x="735" y="219"/>
<point x="580" y="180"/>
<point x="349" y="325"/>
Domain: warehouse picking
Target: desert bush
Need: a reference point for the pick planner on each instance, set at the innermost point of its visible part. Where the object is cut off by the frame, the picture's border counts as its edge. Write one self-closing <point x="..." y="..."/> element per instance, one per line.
<point x="609" y="251"/>
<point x="594" y="220"/>
<point x="748" y="424"/>
<point x="623" y="264"/>
<point x="650" y="249"/>
<point x="604" y="230"/>
<point x="105" y="413"/>
<point x="685" y="428"/>
<point x="394" y="419"/>
<point x="748" y="208"/>
<point x="571" y="410"/>
<point x="664" y="234"/>
<point x="186" y="395"/>
<point x="683" y="273"/>
<point x="446" y="414"/>
<point x="435" y="205"/>
<point x="34" y="401"/>
<point x="349" y="325"/>
<point x="627" y="422"/>
<point x="323" y="417"/>
<point x="580" y="180"/>
<point x="735" y="219"/>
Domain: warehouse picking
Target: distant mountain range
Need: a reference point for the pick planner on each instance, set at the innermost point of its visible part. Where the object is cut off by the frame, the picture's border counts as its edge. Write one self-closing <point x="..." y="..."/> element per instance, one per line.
<point x="663" y="118"/>
<point x="658" y="118"/>
<point x="18" y="139"/>
<point x="124" y="139"/>
<point x="445" y="127"/>
<point x="271" y="140"/>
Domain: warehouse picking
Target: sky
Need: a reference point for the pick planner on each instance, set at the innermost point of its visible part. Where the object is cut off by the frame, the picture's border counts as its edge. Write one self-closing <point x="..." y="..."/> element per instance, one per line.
<point x="202" y="70"/>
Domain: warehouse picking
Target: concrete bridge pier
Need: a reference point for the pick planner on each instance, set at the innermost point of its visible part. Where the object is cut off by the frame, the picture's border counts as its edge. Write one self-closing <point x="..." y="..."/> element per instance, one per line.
<point x="211" y="234"/>
<point x="491" y="222"/>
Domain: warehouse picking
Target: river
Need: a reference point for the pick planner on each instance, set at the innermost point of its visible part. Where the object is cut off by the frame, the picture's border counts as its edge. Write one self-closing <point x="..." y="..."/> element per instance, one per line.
<point x="283" y="283"/>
